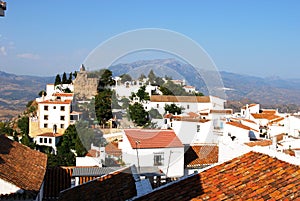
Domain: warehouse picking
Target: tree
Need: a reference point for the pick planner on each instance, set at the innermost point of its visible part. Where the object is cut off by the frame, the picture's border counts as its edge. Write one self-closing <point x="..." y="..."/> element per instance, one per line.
<point x="151" y="77"/>
<point x="154" y="114"/>
<point x="138" y="114"/>
<point x="142" y="94"/>
<point x="159" y="81"/>
<point x="70" y="78"/>
<point x="125" y="78"/>
<point x="125" y="103"/>
<point x="6" y="129"/>
<point x="169" y="88"/>
<point x="64" y="78"/>
<point x="23" y="125"/>
<point x="28" y="141"/>
<point x="172" y="108"/>
<point x="57" y="80"/>
<point x="43" y="92"/>
<point x="106" y="80"/>
<point x="114" y="101"/>
<point x="103" y="108"/>
<point x="142" y="76"/>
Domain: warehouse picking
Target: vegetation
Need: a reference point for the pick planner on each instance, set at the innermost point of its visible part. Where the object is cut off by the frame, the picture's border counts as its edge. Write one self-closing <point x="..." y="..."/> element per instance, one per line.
<point x="103" y="100"/>
<point x="138" y="114"/>
<point x="125" y="78"/>
<point x="172" y="108"/>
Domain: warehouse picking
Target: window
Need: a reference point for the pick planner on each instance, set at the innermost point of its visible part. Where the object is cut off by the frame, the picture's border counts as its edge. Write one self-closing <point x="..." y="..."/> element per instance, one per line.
<point x="46" y="107"/>
<point x="41" y="140"/>
<point x="158" y="159"/>
<point x="45" y="140"/>
<point x="62" y="108"/>
<point x="198" y="128"/>
<point x="45" y="117"/>
<point x="62" y="118"/>
<point x="45" y="125"/>
<point x="50" y="141"/>
<point x="188" y="107"/>
<point x="54" y="107"/>
<point x="157" y="105"/>
<point x="62" y="125"/>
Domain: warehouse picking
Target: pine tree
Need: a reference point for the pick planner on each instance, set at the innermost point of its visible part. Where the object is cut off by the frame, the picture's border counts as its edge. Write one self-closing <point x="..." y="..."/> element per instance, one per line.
<point x="64" y="78"/>
<point x="57" y="80"/>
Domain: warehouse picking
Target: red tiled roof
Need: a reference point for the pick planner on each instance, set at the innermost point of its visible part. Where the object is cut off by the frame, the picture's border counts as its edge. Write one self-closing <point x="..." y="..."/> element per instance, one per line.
<point x="112" y="149"/>
<point x="243" y="119"/>
<point x="119" y="185"/>
<point x="226" y="111"/>
<point x="154" y="138"/>
<point x="252" y="176"/>
<point x="237" y="124"/>
<point x="56" y="102"/>
<point x="50" y="134"/>
<point x="198" y="155"/>
<point x="56" y="180"/>
<point x="63" y="94"/>
<point x="21" y="166"/>
<point x="250" y="105"/>
<point x="93" y="153"/>
<point x="268" y="116"/>
<point x="182" y="99"/>
<point x="262" y="143"/>
<point x="193" y="114"/>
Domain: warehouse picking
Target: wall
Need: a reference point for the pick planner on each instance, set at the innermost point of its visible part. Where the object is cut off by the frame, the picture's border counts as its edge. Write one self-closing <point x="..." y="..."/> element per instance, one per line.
<point x="8" y="188"/>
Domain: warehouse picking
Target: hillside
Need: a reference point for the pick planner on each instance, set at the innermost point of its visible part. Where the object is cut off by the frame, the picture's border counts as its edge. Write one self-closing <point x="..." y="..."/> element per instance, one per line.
<point x="17" y="90"/>
<point x="267" y="91"/>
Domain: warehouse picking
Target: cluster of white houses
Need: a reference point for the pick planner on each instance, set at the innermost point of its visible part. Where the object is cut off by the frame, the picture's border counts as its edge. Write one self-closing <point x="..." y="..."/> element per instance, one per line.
<point x="203" y="135"/>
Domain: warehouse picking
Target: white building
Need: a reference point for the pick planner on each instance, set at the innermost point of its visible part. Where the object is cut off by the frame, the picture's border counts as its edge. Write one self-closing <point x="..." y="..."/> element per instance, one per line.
<point x="189" y="103"/>
<point x="49" y="140"/>
<point x="153" y="148"/>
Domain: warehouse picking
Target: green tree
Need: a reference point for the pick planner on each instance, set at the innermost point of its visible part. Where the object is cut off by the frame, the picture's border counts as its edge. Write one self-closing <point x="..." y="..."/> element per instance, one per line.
<point x="125" y="78"/>
<point x="28" y="141"/>
<point x="103" y="102"/>
<point x="142" y="94"/>
<point x="138" y="114"/>
<point x="125" y="103"/>
<point x="57" y="80"/>
<point x="142" y="76"/>
<point x="169" y="88"/>
<point x="70" y="78"/>
<point x="151" y="77"/>
<point x="64" y="78"/>
<point x="159" y="81"/>
<point x="154" y="114"/>
<point x="114" y="101"/>
<point x="23" y="125"/>
<point x="43" y="92"/>
<point x="172" y="108"/>
<point x="105" y="80"/>
<point x="6" y="129"/>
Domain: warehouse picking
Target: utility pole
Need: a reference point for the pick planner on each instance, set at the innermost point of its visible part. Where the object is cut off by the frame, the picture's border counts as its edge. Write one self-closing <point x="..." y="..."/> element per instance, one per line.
<point x="137" y="142"/>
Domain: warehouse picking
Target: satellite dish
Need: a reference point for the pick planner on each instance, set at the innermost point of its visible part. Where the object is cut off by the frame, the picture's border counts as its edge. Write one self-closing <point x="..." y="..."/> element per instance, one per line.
<point x="2" y="8"/>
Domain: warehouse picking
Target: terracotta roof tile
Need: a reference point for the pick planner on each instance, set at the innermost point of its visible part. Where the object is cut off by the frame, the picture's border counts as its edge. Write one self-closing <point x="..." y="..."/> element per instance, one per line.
<point x="56" y="102"/>
<point x="268" y="116"/>
<point x="50" y="134"/>
<point x="252" y="176"/>
<point x="152" y="138"/>
<point x="113" y="150"/>
<point x="183" y="99"/>
<point x="226" y="111"/>
<point x="64" y="94"/>
<point x="199" y="155"/>
<point x="259" y="143"/>
<point x="119" y="185"/>
<point x="250" y="105"/>
<point x="237" y="124"/>
<point x="21" y="166"/>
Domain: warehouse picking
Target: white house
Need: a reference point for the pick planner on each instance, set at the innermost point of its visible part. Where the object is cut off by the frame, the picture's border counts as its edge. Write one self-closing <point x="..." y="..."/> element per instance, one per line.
<point x="22" y="171"/>
<point x="248" y="109"/>
<point x="48" y="139"/>
<point x="153" y="148"/>
<point x="240" y="132"/>
<point x="189" y="103"/>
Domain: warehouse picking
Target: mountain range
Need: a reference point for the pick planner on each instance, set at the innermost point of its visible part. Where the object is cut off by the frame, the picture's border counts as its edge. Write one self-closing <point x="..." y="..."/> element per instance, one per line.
<point x="17" y="90"/>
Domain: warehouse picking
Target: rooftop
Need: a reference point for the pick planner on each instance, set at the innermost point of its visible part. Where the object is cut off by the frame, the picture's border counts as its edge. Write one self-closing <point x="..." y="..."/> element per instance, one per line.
<point x="21" y="166"/>
<point x="239" y="125"/>
<point x="184" y="99"/>
<point x="199" y="155"/>
<point x="152" y="138"/>
<point x="254" y="176"/>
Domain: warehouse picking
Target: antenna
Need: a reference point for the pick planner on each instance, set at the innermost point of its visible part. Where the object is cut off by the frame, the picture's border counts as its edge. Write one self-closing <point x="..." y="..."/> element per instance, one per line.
<point x="137" y="142"/>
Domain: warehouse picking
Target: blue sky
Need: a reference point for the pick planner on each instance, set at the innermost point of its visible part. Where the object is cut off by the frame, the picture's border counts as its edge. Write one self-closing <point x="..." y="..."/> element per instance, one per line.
<point x="250" y="37"/>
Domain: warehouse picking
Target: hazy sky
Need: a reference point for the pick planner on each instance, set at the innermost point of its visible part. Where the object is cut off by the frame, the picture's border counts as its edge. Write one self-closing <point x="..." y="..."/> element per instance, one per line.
<point x="46" y="37"/>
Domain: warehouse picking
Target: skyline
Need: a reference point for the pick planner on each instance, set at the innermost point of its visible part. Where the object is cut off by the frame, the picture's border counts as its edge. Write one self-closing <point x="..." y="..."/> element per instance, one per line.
<point x="50" y="37"/>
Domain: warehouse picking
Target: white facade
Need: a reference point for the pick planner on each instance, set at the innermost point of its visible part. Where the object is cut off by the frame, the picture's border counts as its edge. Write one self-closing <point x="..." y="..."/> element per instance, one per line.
<point x="170" y="159"/>
<point x="49" y="140"/>
<point x="240" y="134"/>
<point x="8" y="188"/>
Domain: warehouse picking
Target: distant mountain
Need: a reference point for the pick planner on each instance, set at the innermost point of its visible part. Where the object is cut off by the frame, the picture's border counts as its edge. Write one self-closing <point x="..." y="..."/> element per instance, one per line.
<point x="267" y="91"/>
<point x="17" y="90"/>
